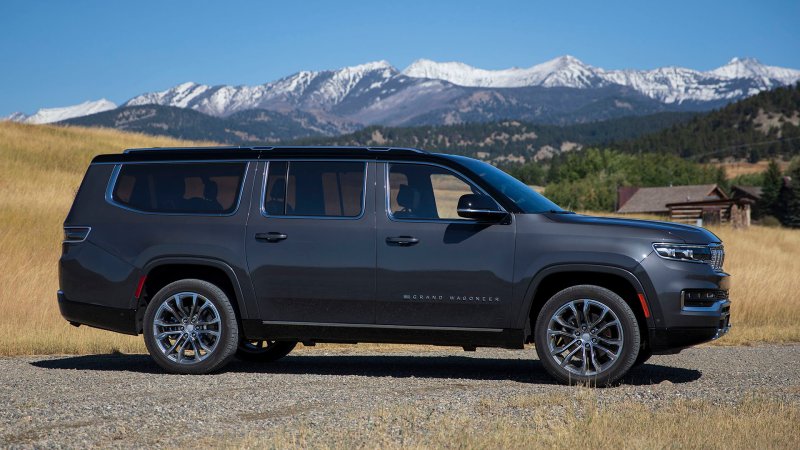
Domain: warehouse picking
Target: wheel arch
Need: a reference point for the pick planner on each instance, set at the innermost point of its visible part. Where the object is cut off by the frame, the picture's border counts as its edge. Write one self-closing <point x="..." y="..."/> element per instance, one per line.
<point x="553" y="279"/>
<point x="162" y="271"/>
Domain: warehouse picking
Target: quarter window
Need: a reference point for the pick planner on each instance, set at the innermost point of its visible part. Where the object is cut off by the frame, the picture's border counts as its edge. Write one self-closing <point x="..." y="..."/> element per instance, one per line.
<point x="180" y="188"/>
<point x="314" y="188"/>
<point x="425" y="192"/>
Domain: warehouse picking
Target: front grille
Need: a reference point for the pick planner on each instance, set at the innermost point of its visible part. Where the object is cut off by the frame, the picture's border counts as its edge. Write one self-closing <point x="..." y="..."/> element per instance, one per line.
<point x="717" y="257"/>
<point x="702" y="298"/>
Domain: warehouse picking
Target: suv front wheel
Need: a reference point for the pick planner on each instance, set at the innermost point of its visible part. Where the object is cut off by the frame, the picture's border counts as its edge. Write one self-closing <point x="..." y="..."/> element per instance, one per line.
<point x="587" y="335"/>
<point x="190" y="327"/>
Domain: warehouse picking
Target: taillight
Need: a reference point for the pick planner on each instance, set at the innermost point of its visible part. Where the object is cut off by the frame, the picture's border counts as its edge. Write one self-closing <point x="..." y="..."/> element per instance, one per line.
<point x="76" y="234"/>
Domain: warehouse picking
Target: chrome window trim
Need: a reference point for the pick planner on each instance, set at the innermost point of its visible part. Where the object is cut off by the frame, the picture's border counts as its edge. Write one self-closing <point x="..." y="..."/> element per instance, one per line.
<point x="76" y="241"/>
<point x="118" y="167"/>
<point x="481" y="211"/>
<point x="288" y="166"/>
<point x="464" y="178"/>
<point x="176" y="161"/>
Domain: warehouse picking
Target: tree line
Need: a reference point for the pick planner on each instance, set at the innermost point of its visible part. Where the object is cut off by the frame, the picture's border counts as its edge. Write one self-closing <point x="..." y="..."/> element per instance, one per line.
<point x="764" y="126"/>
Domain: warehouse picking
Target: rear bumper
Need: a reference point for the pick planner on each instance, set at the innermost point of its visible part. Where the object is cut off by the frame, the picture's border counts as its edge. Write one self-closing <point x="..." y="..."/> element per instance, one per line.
<point x="104" y="317"/>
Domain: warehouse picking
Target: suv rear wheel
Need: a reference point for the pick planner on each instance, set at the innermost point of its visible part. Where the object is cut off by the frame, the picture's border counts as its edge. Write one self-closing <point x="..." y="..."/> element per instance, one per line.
<point x="587" y="335"/>
<point x="190" y="327"/>
<point x="263" y="351"/>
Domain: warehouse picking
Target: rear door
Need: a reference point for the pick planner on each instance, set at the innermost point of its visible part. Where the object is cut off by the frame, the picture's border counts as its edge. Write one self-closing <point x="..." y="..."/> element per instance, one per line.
<point x="435" y="268"/>
<point x="311" y="242"/>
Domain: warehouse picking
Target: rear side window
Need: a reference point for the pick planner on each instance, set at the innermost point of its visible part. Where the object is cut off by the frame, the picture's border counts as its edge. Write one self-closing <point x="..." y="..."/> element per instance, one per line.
<point x="314" y="188"/>
<point x="180" y="188"/>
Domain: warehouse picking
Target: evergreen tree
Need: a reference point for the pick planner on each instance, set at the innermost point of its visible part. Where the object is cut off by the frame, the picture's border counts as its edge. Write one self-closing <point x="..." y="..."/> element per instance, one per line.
<point x="790" y="199"/>
<point x="768" y="204"/>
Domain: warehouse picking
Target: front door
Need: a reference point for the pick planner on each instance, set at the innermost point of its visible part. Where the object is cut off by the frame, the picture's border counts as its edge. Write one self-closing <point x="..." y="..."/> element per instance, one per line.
<point x="434" y="267"/>
<point x="311" y="242"/>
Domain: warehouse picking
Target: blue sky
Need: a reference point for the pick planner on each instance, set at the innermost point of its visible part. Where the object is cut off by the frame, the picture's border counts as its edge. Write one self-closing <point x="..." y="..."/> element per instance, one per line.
<point x="57" y="53"/>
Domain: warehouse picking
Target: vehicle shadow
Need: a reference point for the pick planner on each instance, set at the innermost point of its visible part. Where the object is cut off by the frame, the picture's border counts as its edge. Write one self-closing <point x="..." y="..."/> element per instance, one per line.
<point x="400" y="366"/>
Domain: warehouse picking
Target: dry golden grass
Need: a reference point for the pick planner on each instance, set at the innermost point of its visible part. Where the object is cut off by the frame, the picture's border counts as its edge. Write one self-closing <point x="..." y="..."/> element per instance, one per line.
<point x="41" y="167"/>
<point x="734" y="169"/>
<point x="575" y="420"/>
<point x="40" y="170"/>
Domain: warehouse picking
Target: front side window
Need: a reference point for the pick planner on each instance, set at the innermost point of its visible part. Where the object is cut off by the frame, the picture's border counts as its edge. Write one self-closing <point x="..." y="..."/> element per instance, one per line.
<point x="425" y="192"/>
<point x="180" y="188"/>
<point x="314" y="188"/>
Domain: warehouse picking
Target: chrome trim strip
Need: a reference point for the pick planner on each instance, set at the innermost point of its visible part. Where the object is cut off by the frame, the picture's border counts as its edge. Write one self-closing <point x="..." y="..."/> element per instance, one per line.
<point x="387" y="327"/>
<point x="118" y="166"/>
<point x="464" y="178"/>
<point x="483" y="211"/>
<point x="66" y="241"/>
<point x="716" y="306"/>
<point x="288" y="166"/>
<point x="177" y="161"/>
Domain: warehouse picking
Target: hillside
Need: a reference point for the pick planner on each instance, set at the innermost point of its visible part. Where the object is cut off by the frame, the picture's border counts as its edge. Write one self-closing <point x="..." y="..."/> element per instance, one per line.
<point x="244" y="127"/>
<point x="507" y="141"/>
<point x="503" y="141"/>
<point x="764" y="126"/>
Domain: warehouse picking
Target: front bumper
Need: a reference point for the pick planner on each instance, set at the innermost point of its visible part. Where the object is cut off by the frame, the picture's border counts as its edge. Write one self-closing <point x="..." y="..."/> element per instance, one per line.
<point x="104" y="317"/>
<point x="672" y="340"/>
<point x="679" y="323"/>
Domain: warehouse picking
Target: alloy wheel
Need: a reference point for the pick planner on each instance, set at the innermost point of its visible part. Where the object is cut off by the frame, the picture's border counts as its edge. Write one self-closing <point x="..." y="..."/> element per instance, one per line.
<point x="585" y="337"/>
<point x="187" y="328"/>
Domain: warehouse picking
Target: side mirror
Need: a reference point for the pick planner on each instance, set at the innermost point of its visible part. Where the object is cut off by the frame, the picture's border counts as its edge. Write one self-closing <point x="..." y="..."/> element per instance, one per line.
<point x="480" y="207"/>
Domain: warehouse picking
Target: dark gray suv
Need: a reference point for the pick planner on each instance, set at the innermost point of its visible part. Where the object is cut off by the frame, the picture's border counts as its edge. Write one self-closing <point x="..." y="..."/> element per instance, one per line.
<point x="223" y="252"/>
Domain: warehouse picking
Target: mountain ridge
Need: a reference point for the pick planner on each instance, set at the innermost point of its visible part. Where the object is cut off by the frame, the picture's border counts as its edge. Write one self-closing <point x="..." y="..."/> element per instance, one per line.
<point x="431" y="93"/>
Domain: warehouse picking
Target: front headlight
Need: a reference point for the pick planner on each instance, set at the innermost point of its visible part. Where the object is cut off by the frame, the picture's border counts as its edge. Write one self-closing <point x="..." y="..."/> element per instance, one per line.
<point x="710" y="254"/>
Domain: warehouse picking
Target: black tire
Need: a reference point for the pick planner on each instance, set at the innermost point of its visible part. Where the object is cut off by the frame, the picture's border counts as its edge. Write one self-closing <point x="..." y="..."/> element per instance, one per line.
<point x="227" y="330"/>
<point x="263" y="351"/>
<point x="610" y="369"/>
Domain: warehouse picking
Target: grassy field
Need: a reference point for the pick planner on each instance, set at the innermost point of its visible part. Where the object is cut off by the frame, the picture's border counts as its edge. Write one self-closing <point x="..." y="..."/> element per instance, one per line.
<point x="581" y="419"/>
<point x="41" y="167"/>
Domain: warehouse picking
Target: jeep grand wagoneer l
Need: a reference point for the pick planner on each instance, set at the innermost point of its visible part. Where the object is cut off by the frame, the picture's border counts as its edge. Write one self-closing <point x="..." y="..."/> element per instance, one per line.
<point x="216" y="253"/>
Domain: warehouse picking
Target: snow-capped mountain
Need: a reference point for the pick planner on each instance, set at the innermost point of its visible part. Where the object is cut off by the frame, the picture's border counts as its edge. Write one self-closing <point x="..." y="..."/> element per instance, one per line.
<point x="562" y="90"/>
<point x="752" y="68"/>
<point x="50" y="115"/>
<point x="304" y="90"/>
<point x="373" y="86"/>
<point x="738" y="78"/>
<point x="565" y="71"/>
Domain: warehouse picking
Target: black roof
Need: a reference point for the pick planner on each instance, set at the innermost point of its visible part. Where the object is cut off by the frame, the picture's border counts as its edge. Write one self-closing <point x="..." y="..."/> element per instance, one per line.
<point x="242" y="153"/>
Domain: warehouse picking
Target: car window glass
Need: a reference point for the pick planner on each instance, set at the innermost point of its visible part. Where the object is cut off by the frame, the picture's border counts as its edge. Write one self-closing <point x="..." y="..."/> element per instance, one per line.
<point x="315" y="188"/>
<point x="425" y="192"/>
<point x="183" y="188"/>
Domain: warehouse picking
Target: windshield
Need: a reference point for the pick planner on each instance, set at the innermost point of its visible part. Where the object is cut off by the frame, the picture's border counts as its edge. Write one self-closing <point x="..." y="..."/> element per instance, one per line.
<point x="528" y="200"/>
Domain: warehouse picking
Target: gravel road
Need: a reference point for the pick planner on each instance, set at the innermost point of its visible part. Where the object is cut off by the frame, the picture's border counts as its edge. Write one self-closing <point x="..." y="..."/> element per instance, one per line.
<point x="125" y="401"/>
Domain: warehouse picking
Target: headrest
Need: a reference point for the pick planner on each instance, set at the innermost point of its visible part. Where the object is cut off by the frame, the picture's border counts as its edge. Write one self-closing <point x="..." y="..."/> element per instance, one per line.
<point x="408" y="197"/>
<point x="278" y="191"/>
<point x="210" y="190"/>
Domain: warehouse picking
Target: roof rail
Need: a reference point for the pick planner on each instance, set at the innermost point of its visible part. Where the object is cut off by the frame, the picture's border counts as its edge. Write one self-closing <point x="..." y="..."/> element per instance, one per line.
<point x="185" y="149"/>
<point x="277" y="148"/>
<point x="393" y="149"/>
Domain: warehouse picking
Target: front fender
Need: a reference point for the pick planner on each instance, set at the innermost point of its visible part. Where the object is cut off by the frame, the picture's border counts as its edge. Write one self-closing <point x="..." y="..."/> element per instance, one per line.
<point x="634" y="279"/>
